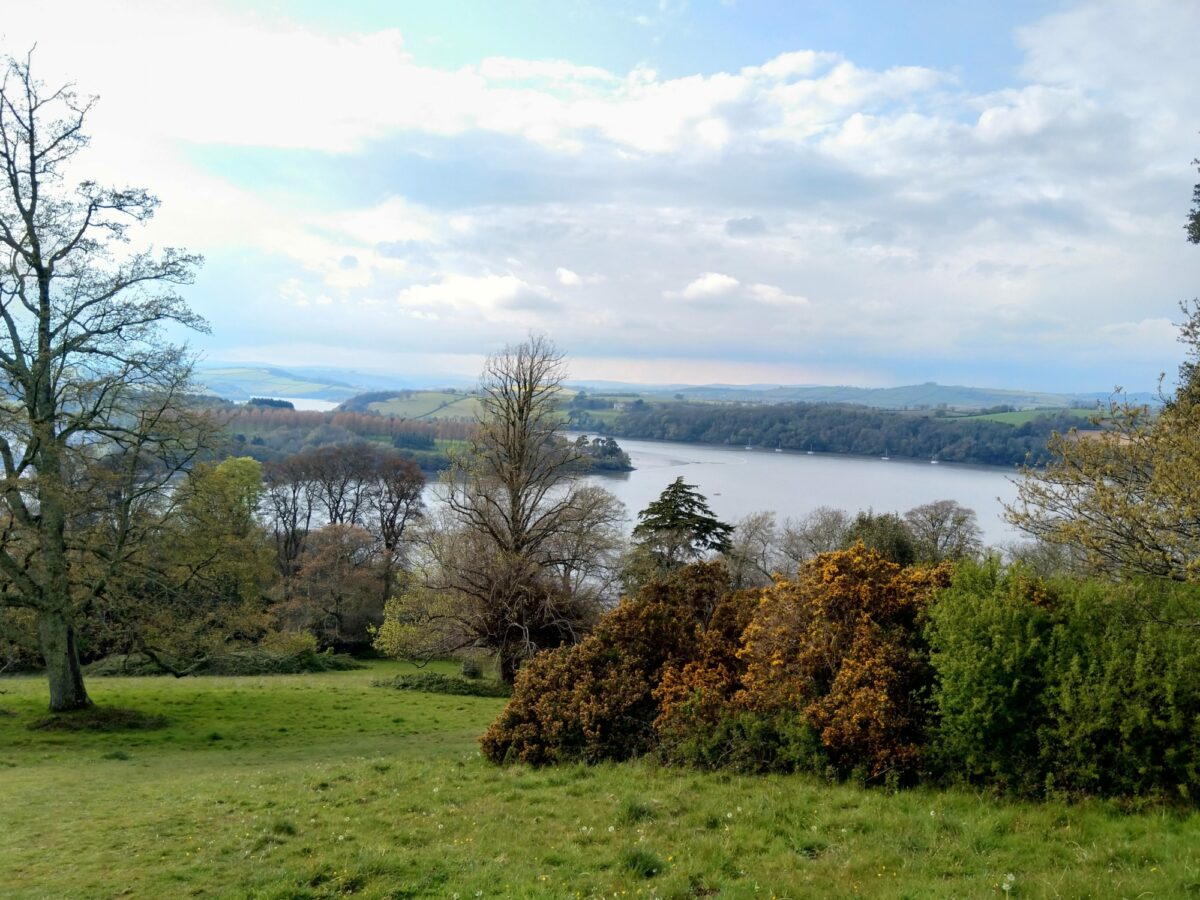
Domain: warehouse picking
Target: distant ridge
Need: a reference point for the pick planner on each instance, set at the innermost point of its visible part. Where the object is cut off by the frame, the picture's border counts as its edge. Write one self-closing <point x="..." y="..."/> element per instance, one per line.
<point x="929" y="395"/>
<point x="241" y="382"/>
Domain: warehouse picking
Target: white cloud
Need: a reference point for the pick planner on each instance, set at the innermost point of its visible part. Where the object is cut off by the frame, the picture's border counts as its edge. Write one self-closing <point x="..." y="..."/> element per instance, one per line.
<point x="909" y="216"/>
<point x="494" y="296"/>
<point x="709" y="284"/>
<point x="775" y="296"/>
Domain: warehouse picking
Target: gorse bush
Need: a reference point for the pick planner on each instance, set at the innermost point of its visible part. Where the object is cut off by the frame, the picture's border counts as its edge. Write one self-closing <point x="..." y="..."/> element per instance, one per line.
<point x="859" y="667"/>
<point x="1065" y="686"/>
<point x="594" y="701"/>
<point x="829" y="672"/>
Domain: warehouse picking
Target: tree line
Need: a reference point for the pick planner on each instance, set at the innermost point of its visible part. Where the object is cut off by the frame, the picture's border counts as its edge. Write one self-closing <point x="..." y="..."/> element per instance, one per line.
<point x="837" y="428"/>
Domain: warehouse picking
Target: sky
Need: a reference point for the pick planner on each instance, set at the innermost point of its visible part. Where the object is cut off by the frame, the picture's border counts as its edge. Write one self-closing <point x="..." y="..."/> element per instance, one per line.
<point x="691" y="191"/>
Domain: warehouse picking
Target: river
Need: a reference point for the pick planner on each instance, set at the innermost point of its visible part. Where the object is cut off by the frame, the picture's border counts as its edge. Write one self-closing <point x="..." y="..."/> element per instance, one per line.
<point x="737" y="481"/>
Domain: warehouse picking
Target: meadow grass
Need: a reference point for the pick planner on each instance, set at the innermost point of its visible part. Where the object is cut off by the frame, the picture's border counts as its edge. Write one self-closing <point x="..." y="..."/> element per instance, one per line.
<point x="1024" y="416"/>
<point x="323" y="786"/>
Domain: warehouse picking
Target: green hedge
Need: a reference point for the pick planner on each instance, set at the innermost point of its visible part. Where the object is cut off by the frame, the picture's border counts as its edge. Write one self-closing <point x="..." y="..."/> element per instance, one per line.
<point x="1065" y="686"/>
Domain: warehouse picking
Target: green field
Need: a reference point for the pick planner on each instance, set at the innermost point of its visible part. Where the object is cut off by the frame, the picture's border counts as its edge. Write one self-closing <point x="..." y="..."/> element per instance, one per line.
<point x="430" y="405"/>
<point x="240" y="383"/>
<point x="324" y="786"/>
<point x="1021" y="417"/>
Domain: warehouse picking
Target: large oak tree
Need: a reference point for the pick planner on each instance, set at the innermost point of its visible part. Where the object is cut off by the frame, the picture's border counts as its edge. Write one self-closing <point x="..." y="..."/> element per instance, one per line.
<point x="93" y="415"/>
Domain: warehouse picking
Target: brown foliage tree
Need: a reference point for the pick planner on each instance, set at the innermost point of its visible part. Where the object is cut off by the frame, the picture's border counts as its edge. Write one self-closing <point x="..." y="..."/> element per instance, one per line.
<point x="335" y="595"/>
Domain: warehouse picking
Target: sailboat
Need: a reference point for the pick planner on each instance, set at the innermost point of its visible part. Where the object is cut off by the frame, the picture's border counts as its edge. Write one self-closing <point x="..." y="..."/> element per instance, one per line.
<point x="885" y="454"/>
<point x="810" y="449"/>
<point x="933" y="460"/>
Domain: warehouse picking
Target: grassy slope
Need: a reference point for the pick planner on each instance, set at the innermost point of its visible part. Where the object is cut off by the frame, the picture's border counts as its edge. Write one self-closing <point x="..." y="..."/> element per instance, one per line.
<point x="430" y="405"/>
<point x="319" y="786"/>
<point x="1028" y="415"/>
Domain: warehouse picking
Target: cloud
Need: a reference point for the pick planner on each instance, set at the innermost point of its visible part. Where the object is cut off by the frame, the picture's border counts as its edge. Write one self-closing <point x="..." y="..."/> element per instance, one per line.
<point x="871" y="212"/>
<point x="487" y="295"/>
<point x="709" y="284"/>
<point x="771" y="295"/>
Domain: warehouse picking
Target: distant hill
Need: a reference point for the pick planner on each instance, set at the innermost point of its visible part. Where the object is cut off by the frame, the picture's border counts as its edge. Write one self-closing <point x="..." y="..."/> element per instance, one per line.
<point x="244" y="382"/>
<point x="241" y="382"/>
<point x="916" y="396"/>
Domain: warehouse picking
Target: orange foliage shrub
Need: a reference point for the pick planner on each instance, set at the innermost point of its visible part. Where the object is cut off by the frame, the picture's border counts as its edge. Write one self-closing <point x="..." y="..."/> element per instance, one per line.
<point x="829" y="668"/>
<point x="842" y="643"/>
<point x="594" y="701"/>
<point x="694" y="695"/>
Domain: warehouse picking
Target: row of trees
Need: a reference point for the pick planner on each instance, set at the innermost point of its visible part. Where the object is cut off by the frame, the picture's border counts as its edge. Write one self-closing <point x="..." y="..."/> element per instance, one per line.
<point x="832" y="428"/>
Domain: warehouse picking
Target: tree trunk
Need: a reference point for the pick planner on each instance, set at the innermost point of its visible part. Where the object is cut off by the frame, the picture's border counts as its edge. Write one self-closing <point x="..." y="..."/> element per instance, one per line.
<point x="510" y="662"/>
<point x="57" y="637"/>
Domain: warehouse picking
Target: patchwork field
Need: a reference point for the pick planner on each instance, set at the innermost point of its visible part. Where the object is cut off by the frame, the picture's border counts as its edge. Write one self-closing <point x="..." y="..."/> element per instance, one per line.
<point x="325" y="786"/>
<point x="430" y="405"/>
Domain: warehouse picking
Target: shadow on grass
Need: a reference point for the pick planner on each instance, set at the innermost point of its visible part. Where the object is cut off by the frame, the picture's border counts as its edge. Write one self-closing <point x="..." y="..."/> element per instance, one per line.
<point x="103" y="718"/>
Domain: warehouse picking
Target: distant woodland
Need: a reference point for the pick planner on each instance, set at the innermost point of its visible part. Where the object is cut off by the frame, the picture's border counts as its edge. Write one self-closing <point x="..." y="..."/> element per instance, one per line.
<point x="271" y="433"/>
<point x="836" y="428"/>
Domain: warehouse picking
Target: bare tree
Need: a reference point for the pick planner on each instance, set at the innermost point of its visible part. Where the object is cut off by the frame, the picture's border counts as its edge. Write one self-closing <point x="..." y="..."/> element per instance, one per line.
<point x="821" y="531"/>
<point x="944" y="530"/>
<point x="291" y="505"/>
<point x="93" y="421"/>
<point x="753" y="555"/>
<point x="514" y="564"/>
<point x="394" y="504"/>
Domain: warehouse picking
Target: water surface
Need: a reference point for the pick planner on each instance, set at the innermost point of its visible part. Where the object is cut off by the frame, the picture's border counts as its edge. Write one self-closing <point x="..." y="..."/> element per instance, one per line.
<point x="737" y="481"/>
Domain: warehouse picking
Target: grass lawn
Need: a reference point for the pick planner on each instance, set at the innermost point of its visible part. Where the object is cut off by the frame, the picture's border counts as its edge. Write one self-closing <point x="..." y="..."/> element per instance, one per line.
<point x="324" y="786"/>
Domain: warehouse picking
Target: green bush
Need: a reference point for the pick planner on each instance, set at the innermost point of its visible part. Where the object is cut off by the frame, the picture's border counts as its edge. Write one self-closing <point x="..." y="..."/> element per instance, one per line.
<point x="750" y="741"/>
<point x="1064" y="686"/>
<point x="989" y="637"/>
<point x="1123" y="696"/>
<point x="433" y="683"/>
